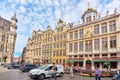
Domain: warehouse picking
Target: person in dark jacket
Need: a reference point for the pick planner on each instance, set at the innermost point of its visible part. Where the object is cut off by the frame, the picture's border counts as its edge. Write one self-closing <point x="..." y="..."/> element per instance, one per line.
<point x="54" y="68"/>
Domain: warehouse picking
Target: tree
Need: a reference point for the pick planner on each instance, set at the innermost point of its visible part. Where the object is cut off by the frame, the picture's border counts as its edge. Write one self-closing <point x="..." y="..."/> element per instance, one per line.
<point x="107" y="64"/>
<point x="4" y="59"/>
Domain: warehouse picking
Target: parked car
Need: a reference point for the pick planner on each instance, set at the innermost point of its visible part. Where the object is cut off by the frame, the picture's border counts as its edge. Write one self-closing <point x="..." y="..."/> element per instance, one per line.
<point x="13" y="66"/>
<point x="2" y="64"/>
<point x="116" y="77"/>
<point x="6" y="65"/>
<point x="45" y="71"/>
<point x="27" y="67"/>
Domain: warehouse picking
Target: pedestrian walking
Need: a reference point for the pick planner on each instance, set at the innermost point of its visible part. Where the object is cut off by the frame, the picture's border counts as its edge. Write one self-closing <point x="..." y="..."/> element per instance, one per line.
<point x="97" y="74"/>
<point x="71" y="71"/>
<point x="118" y="71"/>
<point x="54" y="68"/>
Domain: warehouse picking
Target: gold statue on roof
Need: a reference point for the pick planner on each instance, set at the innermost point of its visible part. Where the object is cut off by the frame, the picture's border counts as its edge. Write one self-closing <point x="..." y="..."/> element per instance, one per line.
<point x="88" y="5"/>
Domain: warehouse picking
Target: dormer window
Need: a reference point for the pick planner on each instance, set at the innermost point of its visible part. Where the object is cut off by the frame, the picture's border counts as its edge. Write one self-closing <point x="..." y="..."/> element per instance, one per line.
<point x="89" y="15"/>
<point x="93" y="17"/>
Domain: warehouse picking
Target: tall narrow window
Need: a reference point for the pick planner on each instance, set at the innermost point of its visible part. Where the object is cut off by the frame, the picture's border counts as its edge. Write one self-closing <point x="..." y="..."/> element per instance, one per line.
<point x="76" y="34"/>
<point x="88" y="45"/>
<point x="64" y="53"/>
<point x="113" y="42"/>
<point x="64" y="43"/>
<point x="75" y="47"/>
<point x="3" y="37"/>
<point x="70" y="47"/>
<point x="2" y="47"/>
<point x="112" y="25"/>
<point x="65" y="36"/>
<point x="96" y="29"/>
<point x="81" y="46"/>
<point x="55" y="38"/>
<point x="71" y="35"/>
<point x="90" y="18"/>
<point x="104" y="27"/>
<point x="104" y="43"/>
<point x="60" y="44"/>
<point x="94" y="17"/>
<point x="81" y="33"/>
<point x="96" y="44"/>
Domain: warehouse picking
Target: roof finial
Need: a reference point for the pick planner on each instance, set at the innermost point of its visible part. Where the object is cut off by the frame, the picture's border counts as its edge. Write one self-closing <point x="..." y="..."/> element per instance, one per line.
<point x="88" y="5"/>
<point x="99" y="15"/>
<point x="115" y="11"/>
<point x="107" y="12"/>
<point x="14" y="17"/>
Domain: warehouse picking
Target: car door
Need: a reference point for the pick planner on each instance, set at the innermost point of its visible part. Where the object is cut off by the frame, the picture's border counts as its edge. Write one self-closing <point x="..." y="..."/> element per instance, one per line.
<point x="33" y="66"/>
<point x="49" y="71"/>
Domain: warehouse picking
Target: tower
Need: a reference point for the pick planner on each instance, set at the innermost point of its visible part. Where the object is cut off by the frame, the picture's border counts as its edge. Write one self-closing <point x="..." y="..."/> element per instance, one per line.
<point x="13" y="23"/>
<point x="13" y="28"/>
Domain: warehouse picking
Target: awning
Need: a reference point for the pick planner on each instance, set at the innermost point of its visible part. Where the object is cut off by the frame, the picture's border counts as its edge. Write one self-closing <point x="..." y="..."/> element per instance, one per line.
<point x="74" y="60"/>
<point x="106" y="60"/>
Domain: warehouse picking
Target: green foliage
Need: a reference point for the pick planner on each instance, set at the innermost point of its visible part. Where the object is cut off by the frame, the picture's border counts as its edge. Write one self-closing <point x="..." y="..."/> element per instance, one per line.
<point x="88" y="61"/>
<point x="107" y="63"/>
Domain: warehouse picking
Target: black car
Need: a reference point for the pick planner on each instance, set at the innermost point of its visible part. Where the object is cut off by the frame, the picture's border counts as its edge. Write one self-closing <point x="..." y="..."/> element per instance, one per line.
<point x="27" y="67"/>
<point x="6" y="65"/>
<point x="13" y="66"/>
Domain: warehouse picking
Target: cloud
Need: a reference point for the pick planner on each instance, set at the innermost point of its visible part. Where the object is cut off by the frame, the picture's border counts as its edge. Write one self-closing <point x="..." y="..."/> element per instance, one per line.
<point x="37" y="14"/>
<point x="22" y="9"/>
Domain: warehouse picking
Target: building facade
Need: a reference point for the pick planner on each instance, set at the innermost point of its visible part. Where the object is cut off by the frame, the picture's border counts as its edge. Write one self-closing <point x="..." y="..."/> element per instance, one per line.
<point x="36" y="49"/>
<point x="60" y="42"/>
<point x="96" y="41"/>
<point x="33" y="51"/>
<point x="47" y="47"/>
<point x="7" y="39"/>
<point x="92" y="43"/>
<point x="23" y="55"/>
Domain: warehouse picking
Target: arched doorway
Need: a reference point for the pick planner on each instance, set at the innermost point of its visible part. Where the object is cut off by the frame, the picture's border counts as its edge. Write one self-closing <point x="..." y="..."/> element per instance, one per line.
<point x="88" y="64"/>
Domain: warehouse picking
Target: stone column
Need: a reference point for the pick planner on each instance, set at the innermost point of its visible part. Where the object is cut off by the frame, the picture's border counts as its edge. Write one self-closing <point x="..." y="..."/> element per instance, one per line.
<point x="100" y="65"/>
<point x="92" y="65"/>
<point x="84" y="64"/>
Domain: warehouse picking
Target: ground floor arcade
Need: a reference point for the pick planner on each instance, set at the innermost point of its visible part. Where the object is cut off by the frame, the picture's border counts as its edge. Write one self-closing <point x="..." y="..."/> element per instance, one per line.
<point x="111" y="64"/>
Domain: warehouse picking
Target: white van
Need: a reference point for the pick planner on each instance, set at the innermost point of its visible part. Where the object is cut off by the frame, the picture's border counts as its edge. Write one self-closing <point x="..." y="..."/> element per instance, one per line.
<point x="45" y="71"/>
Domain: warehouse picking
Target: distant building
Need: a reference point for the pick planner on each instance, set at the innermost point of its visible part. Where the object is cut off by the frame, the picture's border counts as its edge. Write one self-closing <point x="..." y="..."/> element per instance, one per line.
<point x="7" y="39"/>
<point x="15" y="59"/>
<point x="23" y="55"/>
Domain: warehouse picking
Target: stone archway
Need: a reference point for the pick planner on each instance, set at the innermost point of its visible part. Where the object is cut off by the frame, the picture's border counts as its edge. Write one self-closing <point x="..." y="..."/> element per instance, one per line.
<point x="88" y="64"/>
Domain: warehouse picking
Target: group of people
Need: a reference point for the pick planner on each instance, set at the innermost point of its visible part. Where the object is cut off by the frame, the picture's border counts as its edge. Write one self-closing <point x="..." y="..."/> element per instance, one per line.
<point x="97" y="72"/>
<point x="71" y="69"/>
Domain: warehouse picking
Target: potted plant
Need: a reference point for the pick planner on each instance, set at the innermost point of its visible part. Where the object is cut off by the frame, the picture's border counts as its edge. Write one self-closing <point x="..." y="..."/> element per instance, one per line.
<point x="107" y="64"/>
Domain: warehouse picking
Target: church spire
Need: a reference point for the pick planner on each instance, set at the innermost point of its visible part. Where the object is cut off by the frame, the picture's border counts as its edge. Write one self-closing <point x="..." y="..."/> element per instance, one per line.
<point x="14" y="17"/>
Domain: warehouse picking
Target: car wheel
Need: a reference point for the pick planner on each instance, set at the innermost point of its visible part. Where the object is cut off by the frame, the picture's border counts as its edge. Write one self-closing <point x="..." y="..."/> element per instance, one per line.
<point x="41" y="77"/>
<point x="61" y="74"/>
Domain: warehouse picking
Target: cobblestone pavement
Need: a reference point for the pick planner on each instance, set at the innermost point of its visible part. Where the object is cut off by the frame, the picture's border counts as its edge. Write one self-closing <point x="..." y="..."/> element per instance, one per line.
<point x="15" y="74"/>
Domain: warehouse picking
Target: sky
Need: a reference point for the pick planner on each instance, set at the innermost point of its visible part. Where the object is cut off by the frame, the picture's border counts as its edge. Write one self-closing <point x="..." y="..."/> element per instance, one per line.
<point x="37" y="14"/>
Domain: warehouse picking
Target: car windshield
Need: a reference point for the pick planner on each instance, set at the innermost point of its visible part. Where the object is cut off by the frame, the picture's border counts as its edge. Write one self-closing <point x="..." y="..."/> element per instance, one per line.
<point x="43" y="67"/>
